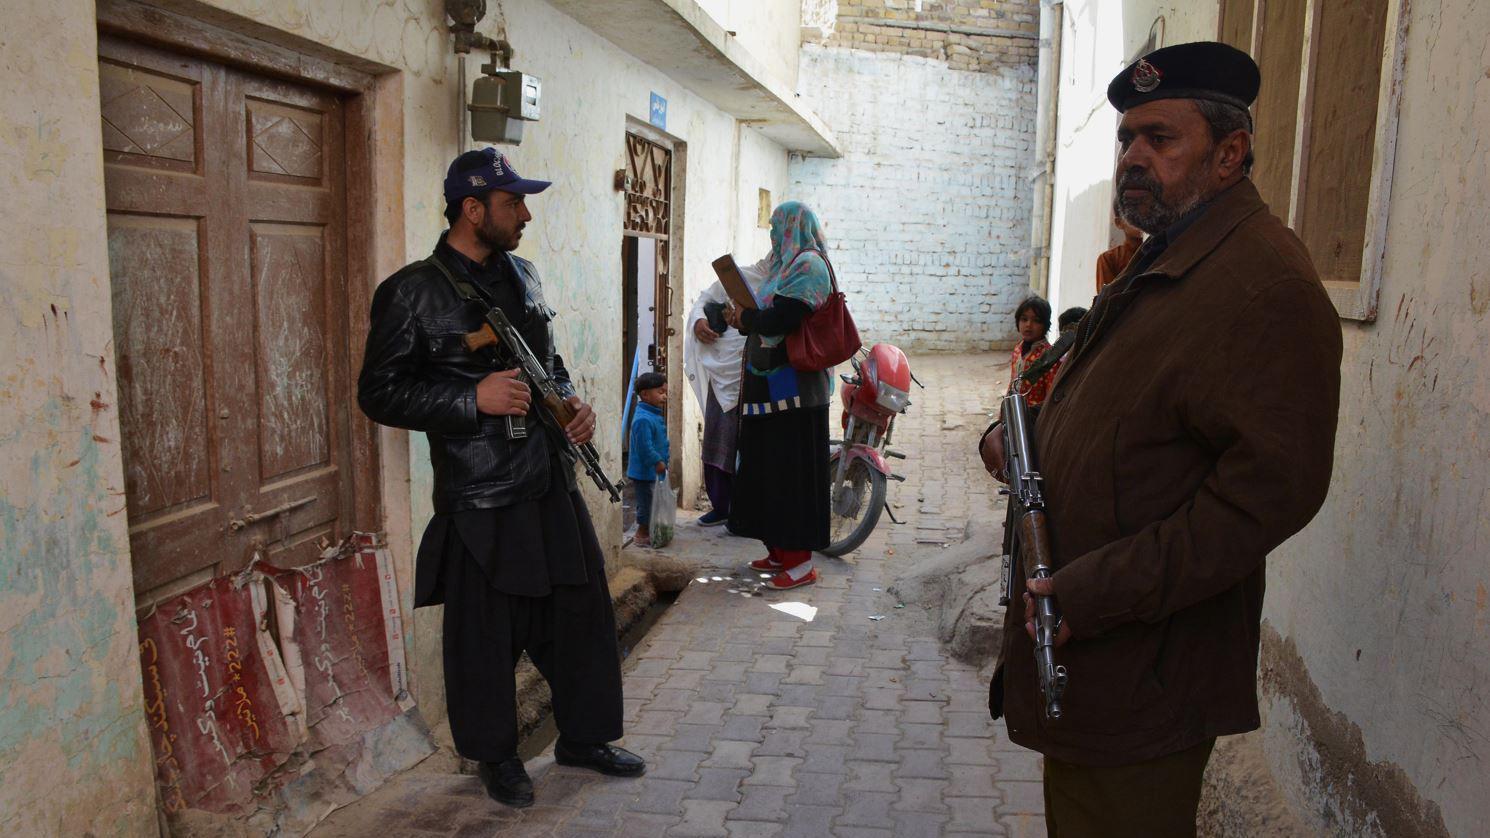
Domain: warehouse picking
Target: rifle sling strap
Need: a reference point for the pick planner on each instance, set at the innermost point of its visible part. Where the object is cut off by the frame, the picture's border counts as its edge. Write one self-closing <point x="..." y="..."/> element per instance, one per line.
<point x="462" y="287"/>
<point x="1048" y="360"/>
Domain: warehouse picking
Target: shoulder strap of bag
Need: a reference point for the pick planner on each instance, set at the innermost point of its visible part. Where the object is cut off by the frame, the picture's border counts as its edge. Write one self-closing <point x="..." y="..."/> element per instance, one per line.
<point x="832" y="277"/>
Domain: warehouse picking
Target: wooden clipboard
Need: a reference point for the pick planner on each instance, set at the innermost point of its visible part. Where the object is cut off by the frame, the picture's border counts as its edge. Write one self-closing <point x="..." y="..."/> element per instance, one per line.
<point x="734" y="284"/>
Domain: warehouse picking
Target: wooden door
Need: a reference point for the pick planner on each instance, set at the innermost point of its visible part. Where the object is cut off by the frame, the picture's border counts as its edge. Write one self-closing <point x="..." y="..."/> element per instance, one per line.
<point x="227" y="237"/>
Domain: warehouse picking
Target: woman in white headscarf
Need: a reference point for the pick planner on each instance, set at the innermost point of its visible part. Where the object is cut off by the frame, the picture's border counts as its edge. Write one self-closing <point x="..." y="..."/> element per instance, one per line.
<point x="712" y="354"/>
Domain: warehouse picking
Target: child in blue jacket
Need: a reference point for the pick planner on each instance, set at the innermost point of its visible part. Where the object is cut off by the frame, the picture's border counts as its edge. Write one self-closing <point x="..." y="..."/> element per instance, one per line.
<point x="649" y="449"/>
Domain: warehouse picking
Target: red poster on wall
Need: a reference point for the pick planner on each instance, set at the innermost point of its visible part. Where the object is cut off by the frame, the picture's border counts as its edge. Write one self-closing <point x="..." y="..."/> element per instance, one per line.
<point x="248" y="676"/>
<point x="342" y="641"/>
<point x="221" y="711"/>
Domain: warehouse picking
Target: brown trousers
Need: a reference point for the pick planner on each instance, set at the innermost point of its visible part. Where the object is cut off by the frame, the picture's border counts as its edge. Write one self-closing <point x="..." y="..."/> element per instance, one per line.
<point x="1153" y="799"/>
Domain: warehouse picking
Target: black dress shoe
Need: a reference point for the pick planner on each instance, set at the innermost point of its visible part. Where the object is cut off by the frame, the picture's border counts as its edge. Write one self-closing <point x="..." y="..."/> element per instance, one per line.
<point x="607" y="759"/>
<point x="507" y="782"/>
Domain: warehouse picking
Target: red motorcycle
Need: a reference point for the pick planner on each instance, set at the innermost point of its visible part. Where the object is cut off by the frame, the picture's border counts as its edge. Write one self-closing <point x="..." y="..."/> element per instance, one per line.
<point x="858" y="469"/>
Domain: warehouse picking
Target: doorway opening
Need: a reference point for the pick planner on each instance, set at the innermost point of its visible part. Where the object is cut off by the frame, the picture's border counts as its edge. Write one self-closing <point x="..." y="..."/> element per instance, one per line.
<point x="646" y="267"/>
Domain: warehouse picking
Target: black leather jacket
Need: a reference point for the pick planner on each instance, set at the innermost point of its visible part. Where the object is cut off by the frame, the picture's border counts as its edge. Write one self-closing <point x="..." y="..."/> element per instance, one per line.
<point x="416" y="374"/>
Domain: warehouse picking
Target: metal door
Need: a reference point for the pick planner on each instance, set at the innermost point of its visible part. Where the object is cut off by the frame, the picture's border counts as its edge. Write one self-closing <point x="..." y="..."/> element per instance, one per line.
<point x="649" y="188"/>
<point x="226" y="228"/>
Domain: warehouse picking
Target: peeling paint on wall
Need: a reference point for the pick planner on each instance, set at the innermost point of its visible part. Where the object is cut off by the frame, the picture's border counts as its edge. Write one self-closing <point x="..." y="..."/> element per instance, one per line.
<point x="1344" y="792"/>
<point x="71" y="710"/>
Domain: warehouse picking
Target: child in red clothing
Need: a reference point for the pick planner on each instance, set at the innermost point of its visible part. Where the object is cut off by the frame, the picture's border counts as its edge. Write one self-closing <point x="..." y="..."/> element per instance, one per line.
<point x="1032" y="319"/>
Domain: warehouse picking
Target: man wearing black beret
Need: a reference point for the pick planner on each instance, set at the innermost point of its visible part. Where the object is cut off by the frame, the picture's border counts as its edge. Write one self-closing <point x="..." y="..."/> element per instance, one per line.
<point x="1190" y="432"/>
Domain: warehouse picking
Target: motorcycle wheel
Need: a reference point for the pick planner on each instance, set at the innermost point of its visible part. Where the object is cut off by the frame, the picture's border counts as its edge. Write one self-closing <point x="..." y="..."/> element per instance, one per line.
<point x="854" y="506"/>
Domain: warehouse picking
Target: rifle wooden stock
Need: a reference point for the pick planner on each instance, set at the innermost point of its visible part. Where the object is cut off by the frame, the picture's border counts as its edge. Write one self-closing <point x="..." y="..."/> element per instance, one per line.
<point x="481" y="338"/>
<point x="487" y="336"/>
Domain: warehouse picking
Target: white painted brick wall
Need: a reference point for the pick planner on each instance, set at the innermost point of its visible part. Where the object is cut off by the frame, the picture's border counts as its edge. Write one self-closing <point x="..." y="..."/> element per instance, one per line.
<point x="928" y="211"/>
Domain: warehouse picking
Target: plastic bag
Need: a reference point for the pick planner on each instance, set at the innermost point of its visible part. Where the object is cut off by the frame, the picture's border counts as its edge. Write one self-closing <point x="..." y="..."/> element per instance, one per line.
<point x="664" y="512"/>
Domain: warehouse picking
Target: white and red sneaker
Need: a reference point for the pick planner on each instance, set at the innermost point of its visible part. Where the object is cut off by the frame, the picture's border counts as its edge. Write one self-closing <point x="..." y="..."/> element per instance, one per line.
<point x="783" y="581"/>
<point x="767" y="564"/>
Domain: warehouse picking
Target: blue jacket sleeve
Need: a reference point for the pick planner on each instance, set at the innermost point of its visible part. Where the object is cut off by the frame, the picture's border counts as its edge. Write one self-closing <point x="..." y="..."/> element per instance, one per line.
<point x="648" y="447"/>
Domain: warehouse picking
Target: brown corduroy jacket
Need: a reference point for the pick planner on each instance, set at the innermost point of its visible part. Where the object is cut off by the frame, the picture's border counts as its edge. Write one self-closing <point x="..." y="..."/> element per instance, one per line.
<point x="1190" y="434"/>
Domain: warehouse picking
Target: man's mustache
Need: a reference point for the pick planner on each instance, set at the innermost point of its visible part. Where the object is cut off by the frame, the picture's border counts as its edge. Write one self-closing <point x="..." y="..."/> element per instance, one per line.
<point x="1133" y="179"/>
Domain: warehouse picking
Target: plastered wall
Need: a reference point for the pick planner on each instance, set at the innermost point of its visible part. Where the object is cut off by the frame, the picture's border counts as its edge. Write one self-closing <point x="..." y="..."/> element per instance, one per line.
<point x="763" y="165"/>
<point x="1384" y="597"/>
<point x="70" y="705"/>
<point x="1376" y="653"/>
<point x="70" y="712"/>
<point x="770" y="29"/>
<point x="928" y="212"/>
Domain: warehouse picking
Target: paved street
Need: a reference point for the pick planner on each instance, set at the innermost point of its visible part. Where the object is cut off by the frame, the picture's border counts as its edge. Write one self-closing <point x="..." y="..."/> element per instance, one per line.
<point x="822" y="711"/>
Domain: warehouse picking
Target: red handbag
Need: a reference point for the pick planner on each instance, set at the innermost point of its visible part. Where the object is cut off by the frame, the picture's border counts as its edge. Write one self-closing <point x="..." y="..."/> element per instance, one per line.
<point x="827" y="337"/>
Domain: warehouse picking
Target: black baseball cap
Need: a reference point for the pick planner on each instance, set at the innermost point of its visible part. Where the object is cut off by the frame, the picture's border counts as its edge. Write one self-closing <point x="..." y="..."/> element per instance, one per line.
<point x="476" y="173"/>
<point x="1200" y="70"/>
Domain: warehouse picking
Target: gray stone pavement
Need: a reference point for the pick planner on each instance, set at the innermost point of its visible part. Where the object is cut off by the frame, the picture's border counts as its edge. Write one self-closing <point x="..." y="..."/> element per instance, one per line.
<point x="821" y="711"/>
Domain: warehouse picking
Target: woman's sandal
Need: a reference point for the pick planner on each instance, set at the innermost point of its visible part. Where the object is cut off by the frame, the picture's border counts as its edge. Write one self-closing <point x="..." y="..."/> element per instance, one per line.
<point x="783" y="581"/>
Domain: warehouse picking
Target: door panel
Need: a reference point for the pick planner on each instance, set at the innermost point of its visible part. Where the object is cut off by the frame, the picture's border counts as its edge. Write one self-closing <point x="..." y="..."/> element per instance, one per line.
<point x="227" y="232"/>
<point x="285" y="141"/>
<point x="157" y="301"/>
<point x="662" y="304"/>
<point x="291" y="348"/>
<point x="294" y="204"/>
<point x="150" y="117"/>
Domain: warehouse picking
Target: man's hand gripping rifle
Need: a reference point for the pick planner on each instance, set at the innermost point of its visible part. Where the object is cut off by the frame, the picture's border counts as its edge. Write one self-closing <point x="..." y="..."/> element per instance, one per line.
<point x="1027" y="504"/>
<point x="498" y="331"/>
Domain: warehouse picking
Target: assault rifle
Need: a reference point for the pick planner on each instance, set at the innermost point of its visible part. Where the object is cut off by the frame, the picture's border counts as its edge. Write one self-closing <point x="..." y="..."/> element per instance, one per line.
<point x="498" y="331"/>
<point x="1033" y="543"/>
<point x="1051" y="357"/>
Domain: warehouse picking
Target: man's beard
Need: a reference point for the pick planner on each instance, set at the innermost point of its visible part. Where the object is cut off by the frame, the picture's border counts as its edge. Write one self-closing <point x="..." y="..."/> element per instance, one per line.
<point x="489" y="235"/>
<point x="1160" y="213"/>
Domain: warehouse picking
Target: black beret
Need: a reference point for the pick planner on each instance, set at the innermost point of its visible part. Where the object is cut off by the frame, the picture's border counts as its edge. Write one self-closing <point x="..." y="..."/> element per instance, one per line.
<point x="1201" y="70"/>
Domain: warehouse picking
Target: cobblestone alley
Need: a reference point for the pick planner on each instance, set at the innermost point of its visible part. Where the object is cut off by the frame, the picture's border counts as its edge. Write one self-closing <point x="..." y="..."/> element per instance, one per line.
<point x="759" y="722"/>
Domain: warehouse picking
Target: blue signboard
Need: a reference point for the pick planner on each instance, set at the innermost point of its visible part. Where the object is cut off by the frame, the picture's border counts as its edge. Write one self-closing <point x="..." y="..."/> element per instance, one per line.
<point x="658" y="114"/>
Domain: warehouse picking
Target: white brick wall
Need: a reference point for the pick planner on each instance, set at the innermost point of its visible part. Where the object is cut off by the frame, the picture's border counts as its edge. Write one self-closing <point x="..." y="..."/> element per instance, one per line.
<point x="927" y="213"/>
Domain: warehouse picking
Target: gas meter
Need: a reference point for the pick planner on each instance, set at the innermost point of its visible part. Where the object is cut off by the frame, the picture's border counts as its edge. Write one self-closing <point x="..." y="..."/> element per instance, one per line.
<point x="501" y="101"/>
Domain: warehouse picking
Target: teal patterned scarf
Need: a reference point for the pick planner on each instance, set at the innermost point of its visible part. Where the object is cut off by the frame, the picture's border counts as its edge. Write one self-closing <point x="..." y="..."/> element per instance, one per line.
<point x="795" y="231"/>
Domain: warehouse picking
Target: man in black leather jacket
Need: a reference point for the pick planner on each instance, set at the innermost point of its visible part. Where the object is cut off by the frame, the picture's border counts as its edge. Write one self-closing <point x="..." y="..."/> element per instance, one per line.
<point x="510" y="552"/>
